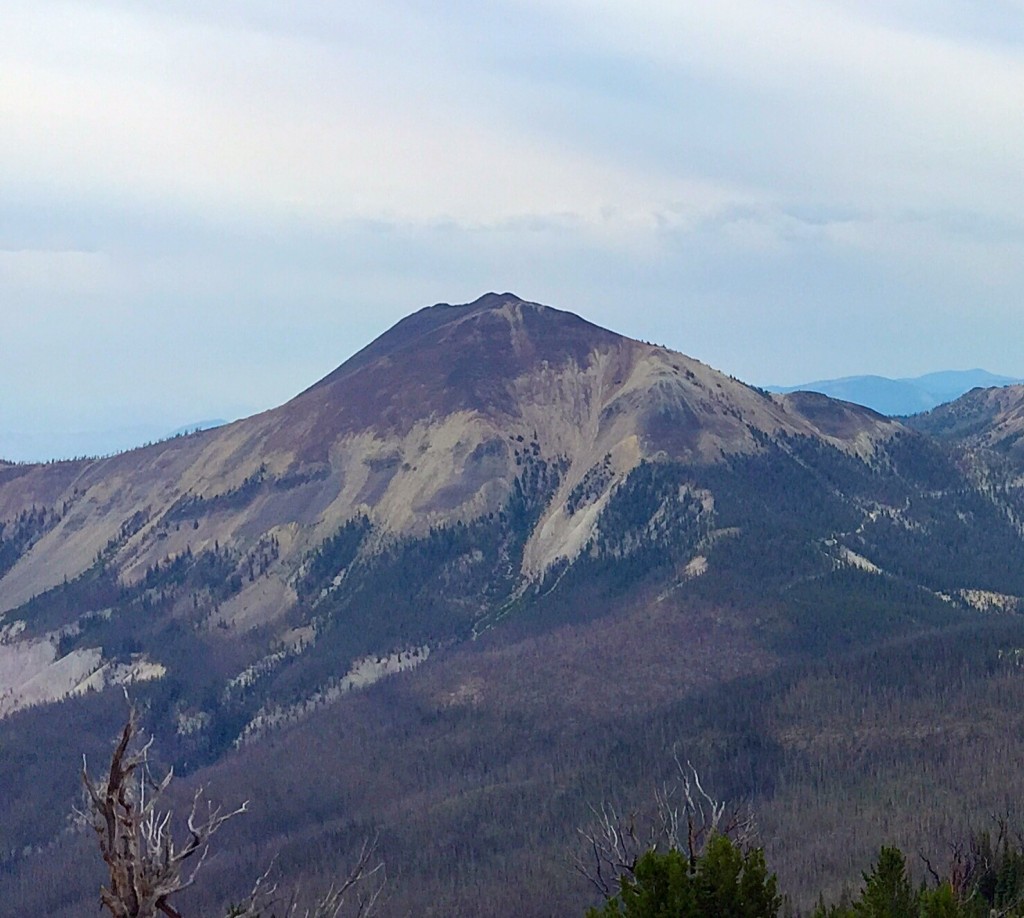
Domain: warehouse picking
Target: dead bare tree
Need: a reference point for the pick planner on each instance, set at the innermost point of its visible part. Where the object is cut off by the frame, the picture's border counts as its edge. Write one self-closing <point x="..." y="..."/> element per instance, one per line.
<point x="360" y="891"/>
<point x="977" y="862"/>
<point x="147" y="865"/>
<point x="685" y="816"/>
<point x="684" y="806"/>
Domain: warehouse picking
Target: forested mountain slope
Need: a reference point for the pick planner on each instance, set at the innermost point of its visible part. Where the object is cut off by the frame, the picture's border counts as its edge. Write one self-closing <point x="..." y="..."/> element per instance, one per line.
<point x="988" y="418"/>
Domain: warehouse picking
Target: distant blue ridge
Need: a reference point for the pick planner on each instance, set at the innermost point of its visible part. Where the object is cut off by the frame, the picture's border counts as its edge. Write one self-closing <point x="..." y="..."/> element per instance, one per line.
<point x="196" y="427"/>
<point x="897" y="397"/>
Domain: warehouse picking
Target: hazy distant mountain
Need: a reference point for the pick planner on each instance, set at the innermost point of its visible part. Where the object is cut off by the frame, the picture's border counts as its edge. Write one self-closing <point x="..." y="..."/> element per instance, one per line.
<point x="23" y="445"/>
<point x="582" y="553"/>
<point x="20" y="445"/>
<point x="194" y="427"/>
<point x="901" y="397"/>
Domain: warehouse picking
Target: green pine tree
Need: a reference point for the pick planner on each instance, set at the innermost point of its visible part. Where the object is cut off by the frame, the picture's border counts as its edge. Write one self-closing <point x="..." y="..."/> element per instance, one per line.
<point x="941" y="903"/>
<point x="723" y="881"/>
<point x="887" y="891"/>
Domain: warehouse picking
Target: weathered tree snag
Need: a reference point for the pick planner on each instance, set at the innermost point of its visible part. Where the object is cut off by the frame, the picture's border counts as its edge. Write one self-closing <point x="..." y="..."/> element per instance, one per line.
<point x="685" y="817"/>
<point x="145" y="863"/>
<point x="356" y="895"/>
<point x="147" y="866"/>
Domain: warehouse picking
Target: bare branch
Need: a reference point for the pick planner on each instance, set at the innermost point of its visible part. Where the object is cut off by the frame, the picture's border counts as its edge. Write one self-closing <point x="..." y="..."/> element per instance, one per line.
<point x="147" y="865"/>
<point x="613" y="846"/>
<point x="356" y="895"/>
<point x="684" y="818"/>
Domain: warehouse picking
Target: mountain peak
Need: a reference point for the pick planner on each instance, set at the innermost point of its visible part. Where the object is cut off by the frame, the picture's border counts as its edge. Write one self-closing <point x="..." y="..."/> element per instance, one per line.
<point x="501" y="331"/>
<point x="490" y="300"/>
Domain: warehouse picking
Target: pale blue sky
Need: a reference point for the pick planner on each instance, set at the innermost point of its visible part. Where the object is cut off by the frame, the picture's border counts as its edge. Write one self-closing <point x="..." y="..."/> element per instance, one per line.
<point x="205" y="207"/>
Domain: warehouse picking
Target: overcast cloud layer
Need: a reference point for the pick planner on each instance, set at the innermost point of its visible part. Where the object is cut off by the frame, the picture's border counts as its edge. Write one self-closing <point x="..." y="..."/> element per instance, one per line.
<point x="205" y="207"/>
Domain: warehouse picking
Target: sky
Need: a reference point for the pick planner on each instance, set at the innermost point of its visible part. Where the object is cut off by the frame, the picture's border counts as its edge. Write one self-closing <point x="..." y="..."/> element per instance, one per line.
<point x="206" y="207"/>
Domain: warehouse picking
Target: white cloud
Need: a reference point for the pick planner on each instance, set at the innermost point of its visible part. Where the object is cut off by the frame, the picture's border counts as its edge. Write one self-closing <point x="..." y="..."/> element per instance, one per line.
<point x="864" y="110"/>
<point x="787" y="184"/>
<point x="153" y="107"/>
<point x="52" y="272"/>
